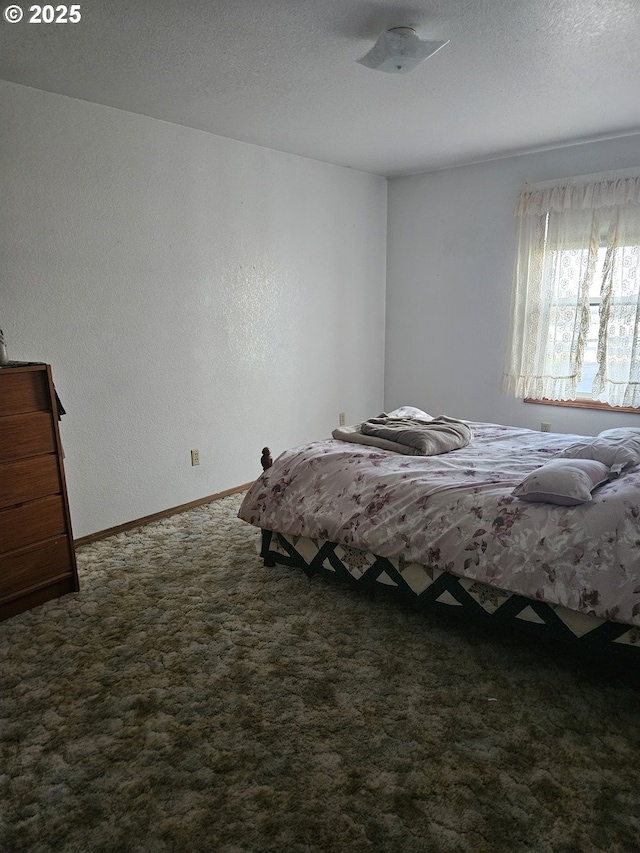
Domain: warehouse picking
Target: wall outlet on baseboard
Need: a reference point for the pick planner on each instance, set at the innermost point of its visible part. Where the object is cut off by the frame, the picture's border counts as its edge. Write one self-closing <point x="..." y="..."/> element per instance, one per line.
<point x="341" y="420"/>
<point x="195" y="457"/>
<point x="545" y="427"/>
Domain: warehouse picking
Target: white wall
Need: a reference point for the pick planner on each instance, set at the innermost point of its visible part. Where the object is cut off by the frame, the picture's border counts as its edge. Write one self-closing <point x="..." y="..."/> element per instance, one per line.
<point x="189" y="291"/>
<point x="450" y="258"/>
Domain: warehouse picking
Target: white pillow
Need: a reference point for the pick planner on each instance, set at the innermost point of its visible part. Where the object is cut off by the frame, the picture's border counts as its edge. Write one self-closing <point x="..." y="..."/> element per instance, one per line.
<point x="616" y="448"/>
<point x="563" y="481"/>
<point x="408" y="412"/>
<point x="624" y="433"/>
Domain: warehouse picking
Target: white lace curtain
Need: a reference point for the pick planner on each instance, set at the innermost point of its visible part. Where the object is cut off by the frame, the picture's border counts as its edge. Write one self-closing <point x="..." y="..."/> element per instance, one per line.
<point x="578" y="251"/>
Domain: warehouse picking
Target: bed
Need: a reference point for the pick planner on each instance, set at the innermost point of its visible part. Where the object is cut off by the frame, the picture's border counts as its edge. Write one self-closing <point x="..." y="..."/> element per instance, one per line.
<point x="447" y="530"/>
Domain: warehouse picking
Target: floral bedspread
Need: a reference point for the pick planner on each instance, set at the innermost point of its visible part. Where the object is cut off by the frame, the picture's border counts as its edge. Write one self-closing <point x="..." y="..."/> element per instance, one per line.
<point x="455" y="512"/>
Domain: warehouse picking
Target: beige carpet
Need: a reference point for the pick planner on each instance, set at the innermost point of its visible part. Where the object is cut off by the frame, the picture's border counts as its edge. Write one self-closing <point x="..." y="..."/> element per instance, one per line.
<point x="188" y="699"/>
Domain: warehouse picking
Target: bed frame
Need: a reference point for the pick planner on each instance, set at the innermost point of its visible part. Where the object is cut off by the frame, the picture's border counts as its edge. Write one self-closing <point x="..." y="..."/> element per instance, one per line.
<point x="433" y="589"/>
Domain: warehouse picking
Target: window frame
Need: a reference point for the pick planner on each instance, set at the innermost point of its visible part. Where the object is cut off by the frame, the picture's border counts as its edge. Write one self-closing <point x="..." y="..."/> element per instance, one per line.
<point x="586" y="403"/>
<point x="524" y="371"/>
<point x="583" y="400"/>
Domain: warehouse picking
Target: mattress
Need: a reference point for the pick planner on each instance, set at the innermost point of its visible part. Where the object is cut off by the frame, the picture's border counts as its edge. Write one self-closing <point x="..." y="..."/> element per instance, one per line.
<point x="456" y="514"/>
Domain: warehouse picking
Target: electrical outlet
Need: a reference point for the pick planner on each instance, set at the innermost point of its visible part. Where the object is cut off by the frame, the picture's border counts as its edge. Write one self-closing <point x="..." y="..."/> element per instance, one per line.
<point x="545" y="427"/>
<point x="341" y="420"/>
<point x="195" y="457"/>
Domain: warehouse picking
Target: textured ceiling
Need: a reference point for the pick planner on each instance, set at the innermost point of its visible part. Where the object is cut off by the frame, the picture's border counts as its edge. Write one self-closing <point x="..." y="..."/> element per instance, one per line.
<point x="517" y="75"/>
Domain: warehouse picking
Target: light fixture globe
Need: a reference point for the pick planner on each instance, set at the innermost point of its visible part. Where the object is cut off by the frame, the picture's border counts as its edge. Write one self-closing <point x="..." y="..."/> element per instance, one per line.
<point x="399" y="51"/>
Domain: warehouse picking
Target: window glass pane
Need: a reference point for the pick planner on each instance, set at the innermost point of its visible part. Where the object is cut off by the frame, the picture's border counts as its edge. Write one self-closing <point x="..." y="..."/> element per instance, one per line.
<point x="623" y="259"/>
<point x="596" y="282"/>
<point x="590" y="363"/>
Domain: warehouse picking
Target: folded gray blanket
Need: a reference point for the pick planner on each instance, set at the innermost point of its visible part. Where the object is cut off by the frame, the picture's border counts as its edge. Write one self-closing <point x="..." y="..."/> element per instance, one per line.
<point x="354" y="435"/>
<point x="445" y="434"/>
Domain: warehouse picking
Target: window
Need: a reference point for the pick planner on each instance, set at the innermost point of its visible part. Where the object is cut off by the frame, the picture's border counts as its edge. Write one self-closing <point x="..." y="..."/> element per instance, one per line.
<point x="575" y="320"/>
<point x="626" y="301"/>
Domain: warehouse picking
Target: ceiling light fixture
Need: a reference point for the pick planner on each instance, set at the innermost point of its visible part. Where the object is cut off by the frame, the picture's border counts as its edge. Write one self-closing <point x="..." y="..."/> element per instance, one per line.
<point x="399" y="50"/>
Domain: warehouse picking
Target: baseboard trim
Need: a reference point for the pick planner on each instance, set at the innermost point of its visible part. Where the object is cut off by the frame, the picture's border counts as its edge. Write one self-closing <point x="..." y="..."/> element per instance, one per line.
<point x="156" y="516"/>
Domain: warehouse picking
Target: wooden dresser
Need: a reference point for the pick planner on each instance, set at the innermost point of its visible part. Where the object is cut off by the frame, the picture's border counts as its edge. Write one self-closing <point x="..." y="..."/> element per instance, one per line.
<point x="37" y="557"/>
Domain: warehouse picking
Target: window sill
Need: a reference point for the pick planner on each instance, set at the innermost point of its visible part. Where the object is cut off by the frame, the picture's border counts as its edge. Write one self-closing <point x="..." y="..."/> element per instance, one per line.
<point x="585" y="404"/>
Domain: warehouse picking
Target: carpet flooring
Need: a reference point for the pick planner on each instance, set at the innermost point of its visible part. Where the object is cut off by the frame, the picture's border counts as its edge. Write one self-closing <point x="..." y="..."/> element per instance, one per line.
<point x="189" y="699"/>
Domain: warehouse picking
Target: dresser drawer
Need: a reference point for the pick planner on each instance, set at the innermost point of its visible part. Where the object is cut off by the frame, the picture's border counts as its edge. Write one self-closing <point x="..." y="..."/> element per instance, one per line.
<point x="34" y="567"/>
<point x="28" y="479"/>
<point x="31" y="522"/>
<point x="23" y="391"/>
<point x="26" y="435"/>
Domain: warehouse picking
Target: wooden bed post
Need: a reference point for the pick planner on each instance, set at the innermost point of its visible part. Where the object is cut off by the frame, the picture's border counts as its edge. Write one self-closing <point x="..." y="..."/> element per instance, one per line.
<point x="265" y="460"/>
